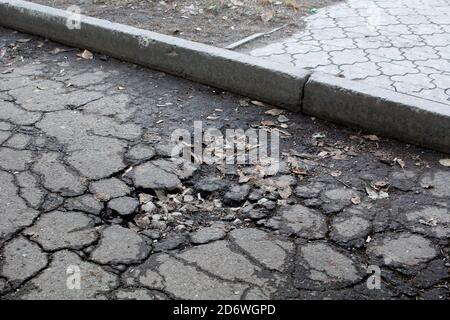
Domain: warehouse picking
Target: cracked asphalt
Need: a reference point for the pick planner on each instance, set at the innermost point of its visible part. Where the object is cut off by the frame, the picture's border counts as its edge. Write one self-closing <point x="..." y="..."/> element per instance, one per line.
<point x="403" y="46"/>
<point x="87" y="185"/>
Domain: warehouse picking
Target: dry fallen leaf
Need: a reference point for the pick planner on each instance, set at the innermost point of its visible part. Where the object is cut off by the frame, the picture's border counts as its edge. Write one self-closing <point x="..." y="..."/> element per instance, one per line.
<point x="319" y="135"/>
<point x="378" y="185"/>
<point x="274" y="112"/>
<point x="400" y="162"/>
<point x="356" y="200"/>
<point x="283" y="118"/>
<point x="445" y="162"/>
<point x="86" y="54"/>
<point x="336" y="173"/>
<point x="292" y="4"/>
<point x="375" y="195"/>
<point x="266" y="16"/>
<point x="243" y="103"/>
<point x="371" y="137"/>
<point x="258" y="103"/>
<point x="268" y="123"/>
<point x="285" y="192"/>
<point x="59" y="50"/>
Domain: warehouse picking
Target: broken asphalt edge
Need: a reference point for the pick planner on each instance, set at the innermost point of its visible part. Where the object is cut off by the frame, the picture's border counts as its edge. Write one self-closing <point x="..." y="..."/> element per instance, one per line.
<point x="395" y="115"/>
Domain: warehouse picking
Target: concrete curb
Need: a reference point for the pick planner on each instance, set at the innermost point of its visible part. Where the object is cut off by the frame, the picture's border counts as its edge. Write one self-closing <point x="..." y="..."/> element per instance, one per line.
<point x="253" y="77"/>
<point x="388" y="113"/>
<point x="391" y="114"/>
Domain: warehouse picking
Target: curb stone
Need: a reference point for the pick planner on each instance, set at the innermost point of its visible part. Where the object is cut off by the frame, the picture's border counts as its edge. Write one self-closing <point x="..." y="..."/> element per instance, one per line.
<point x="391" y="114"/>
<point x="254" y="77"/>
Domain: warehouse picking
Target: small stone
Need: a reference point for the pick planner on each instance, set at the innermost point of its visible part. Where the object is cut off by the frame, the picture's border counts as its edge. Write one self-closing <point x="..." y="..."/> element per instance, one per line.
<point x="301" y="221"/>
<point x="165" y="149"/>
<point x="86" y="203"/>
<point x="337" y="199"/>
<point x="112" y="187"/>
<point x="119" y="245"/>
<point x="313" y="203"/>
<point x="52" y="202"/>
<point x="144" y="197"/>
<point x="159" y="225"/>
<point x="282" y="118"/>
<point x="140" y="152"/>
<point x="205" y="235"/>
<point x="309" y="191"/>
<point x="210" y="185"/>
<point x="149" y="207"/>
<point x="124" y="206"/>
<point x="156" y="175"/>
<point x="237" y="222"/>
<point x="170" y="243"/>
<point x="256" y="214"/>
<point x="237" y="194"/>
<point x="256" y="194"/>
<point x="152" y="234"/>
<point x="267" y="204"/>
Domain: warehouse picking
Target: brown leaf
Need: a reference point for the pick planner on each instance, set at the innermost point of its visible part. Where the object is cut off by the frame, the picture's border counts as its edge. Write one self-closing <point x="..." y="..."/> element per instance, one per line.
<point x="356" y="200"/>
<point x="243" y="103"/>
<point x="336" y="173"/>
<point x="258" y="103"/>
<point x="23" y="40"/>
<point x="274" y="112"/>
<point x="445" y="162"/>
<point x="285" y="192"/>
<point x="266" y="16"/>
<point x="86" y="55"/>
<point x="59" y="50"/>
<point x="375" y="195"/>
<point x="268" y="123"/>
<point x="400" y="162"/>
<point x="371" y="137"/>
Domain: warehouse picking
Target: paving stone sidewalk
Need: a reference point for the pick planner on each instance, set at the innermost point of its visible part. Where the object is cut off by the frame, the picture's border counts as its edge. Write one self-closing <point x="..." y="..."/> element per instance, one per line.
<point x="400" y="45"/>
<point x="88" y="187"/>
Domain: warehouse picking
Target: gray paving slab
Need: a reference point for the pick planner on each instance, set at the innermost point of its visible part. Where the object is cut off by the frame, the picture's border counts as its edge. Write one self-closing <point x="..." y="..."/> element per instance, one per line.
<point x="403" y="45"/>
